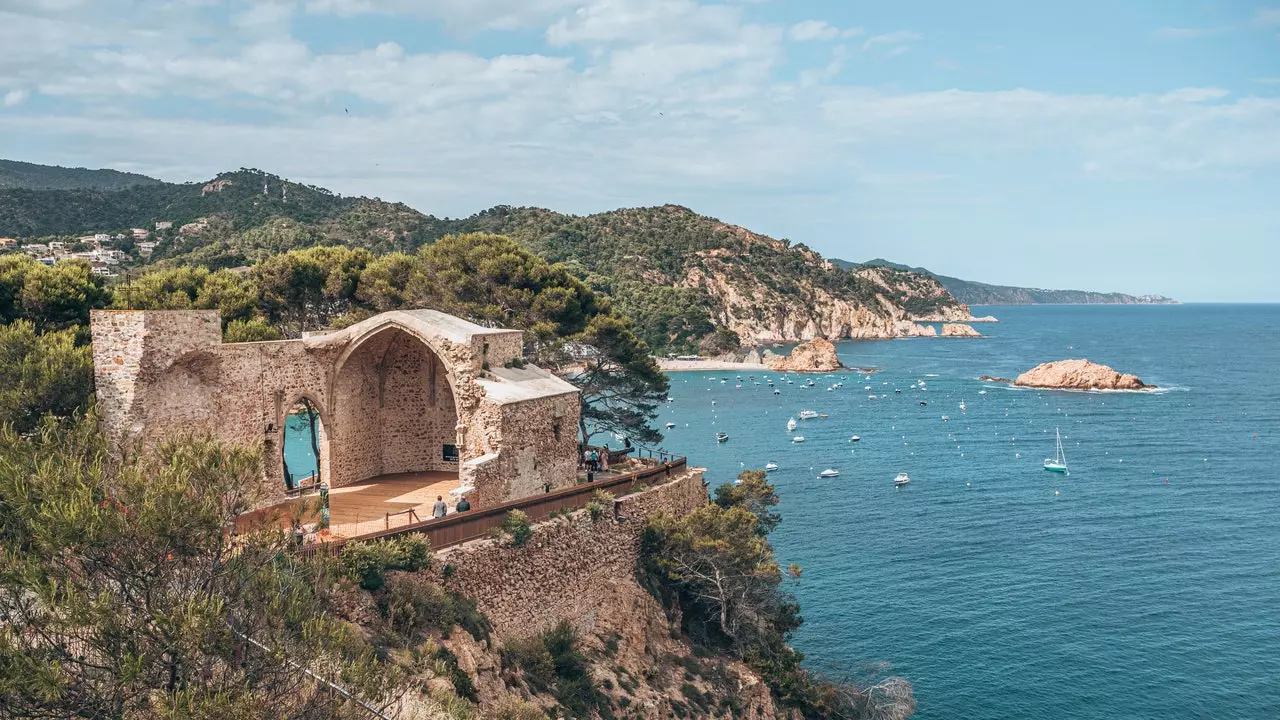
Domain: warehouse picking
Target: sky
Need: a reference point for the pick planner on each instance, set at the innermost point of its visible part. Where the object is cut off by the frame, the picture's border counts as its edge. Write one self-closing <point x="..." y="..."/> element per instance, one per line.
<point x="1122" y="146"/>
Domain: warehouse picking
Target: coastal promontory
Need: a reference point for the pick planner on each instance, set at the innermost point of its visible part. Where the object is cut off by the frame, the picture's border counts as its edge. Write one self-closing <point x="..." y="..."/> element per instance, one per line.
<point x="817" y="355"/>
<point x="959" y="330"/>
<point x="1079" y="375"/>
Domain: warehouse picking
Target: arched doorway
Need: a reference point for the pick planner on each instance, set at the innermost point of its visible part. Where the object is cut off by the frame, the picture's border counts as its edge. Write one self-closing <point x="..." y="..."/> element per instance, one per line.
<point x="301" y="446"/>
<point x="396" y="438"/>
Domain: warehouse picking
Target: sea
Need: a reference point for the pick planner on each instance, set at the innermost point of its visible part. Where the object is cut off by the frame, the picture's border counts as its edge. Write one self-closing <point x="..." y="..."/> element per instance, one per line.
<point x="1143" y="584"/>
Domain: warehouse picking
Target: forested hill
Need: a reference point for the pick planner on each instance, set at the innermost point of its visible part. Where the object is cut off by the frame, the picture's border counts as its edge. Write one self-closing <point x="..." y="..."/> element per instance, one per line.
<point x="30" y="176"/>
<point x="687" y="281"/>
<point x="976" y="293"/>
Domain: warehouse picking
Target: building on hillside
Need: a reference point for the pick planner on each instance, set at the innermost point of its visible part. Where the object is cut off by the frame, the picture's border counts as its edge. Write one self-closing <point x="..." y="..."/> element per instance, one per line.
<point x="416" y="398"/>
<point x="139" y="233"/>
<point x="8" y="242"/>
<point x="101" y="237"/>
<point x="194" y="228"/>
<point x="146" y="248"/>
<point x="163" y="225"/>
<point x="56" y="245"/>
<point x="36" y="249"/>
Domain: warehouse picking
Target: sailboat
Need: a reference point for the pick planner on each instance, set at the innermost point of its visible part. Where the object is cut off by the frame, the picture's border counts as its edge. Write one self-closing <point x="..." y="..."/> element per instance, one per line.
<point x="791" y="424"/>
<point x="1059" y="461"/>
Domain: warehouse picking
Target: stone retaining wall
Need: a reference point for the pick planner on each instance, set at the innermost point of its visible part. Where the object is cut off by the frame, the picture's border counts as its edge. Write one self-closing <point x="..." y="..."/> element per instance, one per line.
<point x="565" y="571"/>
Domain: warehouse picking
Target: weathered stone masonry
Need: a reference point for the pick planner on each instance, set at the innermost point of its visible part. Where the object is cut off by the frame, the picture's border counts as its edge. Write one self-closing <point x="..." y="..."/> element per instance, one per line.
<point x="392" y="392"/>
<point x="569" y="567"/>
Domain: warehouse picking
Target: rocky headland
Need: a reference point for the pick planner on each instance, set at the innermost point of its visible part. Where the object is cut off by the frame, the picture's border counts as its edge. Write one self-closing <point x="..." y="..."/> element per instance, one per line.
<point x="959" y="330"/>
<point x="817" y="355"/>
<point x="1079" y="375"/>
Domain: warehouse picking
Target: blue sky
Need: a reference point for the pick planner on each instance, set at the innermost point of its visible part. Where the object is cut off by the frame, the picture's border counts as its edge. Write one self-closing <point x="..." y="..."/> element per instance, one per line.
<point x="1114" y="146"/>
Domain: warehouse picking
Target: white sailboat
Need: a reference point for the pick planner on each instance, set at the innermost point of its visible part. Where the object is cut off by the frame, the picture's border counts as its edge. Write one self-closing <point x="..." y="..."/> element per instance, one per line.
<point x="1059" y="461"/>
<point x="791" y="424"/>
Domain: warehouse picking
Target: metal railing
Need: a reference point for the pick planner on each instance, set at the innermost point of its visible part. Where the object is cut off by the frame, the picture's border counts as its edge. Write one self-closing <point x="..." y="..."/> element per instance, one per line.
<point x="457" y="528"/>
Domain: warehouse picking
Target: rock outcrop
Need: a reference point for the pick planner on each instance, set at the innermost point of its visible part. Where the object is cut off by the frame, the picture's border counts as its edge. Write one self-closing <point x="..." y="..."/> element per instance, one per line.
<point x="817" y="355"/>
<point x="985" y="319"/>
<point x="1078" y="375"/>
<point x="959" y="330"/>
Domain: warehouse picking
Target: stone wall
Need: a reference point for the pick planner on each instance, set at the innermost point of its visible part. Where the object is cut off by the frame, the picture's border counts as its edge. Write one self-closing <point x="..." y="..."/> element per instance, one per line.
<point x="391" y="391"/>
<point x="567" y="569"/>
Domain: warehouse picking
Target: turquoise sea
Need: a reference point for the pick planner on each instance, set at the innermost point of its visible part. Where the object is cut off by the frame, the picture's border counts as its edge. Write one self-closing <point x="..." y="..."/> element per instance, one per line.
<point x="1146" y="584"/>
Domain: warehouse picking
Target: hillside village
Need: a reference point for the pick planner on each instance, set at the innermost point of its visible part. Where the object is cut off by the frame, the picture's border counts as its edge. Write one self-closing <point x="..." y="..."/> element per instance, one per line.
<point x="108" y="254"/>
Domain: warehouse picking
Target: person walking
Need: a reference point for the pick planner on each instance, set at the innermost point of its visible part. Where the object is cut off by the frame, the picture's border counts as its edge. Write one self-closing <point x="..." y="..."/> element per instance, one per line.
<point x="439" y="509"/>
<point x="595" y="460"/>
<point x="463" y="505"/>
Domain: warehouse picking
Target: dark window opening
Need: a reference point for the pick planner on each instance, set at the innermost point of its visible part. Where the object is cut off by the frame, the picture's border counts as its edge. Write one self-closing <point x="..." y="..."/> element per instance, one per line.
<point x="451" y="453"/>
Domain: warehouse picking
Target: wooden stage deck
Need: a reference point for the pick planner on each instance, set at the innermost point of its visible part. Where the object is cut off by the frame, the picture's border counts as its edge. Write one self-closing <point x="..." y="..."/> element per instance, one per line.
<point x="361" y="508"/>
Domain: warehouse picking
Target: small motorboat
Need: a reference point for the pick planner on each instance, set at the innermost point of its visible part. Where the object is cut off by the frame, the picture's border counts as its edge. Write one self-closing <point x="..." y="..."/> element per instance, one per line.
<point x="670" y="425"/>
<point x="770" y="466"/>
<point x="924" y="402"/>
<point x="808" y="414"/>
<point x="777" y="391"/>
<point x="829" y="473"/>
<point x="962" y="407"/>
<point x="791" y="424"/>
<point x="901" y="479"/>
<point x="798" y="439"/>
<point x="854" y="438"/>
<point x="722" y="436"/>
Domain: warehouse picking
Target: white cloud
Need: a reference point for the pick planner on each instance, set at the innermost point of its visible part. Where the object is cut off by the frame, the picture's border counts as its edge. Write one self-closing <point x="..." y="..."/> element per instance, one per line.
<point x="1182" y="33"/>
<point x="1267" y="17"/>
<point x="630" y="102"/>
<point x="14" y="98"/>
<point x="899" y="38"/>
<point x="813" y="30"/>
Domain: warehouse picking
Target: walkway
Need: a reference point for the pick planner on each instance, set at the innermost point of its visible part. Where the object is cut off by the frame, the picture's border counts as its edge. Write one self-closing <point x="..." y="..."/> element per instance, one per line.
<point x="361" y="508"/>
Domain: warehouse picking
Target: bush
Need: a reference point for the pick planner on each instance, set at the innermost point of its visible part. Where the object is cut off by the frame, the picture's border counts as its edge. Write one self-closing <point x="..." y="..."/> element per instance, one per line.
<point x="513" y="708"/>
<point x="551" y="661"/>
<point x="516" y="525"/>
<point x="367" y="562"/>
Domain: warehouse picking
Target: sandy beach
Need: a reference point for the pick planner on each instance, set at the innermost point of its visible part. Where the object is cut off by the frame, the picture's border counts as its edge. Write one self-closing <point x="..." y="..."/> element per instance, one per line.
<point x="712" y="365"/>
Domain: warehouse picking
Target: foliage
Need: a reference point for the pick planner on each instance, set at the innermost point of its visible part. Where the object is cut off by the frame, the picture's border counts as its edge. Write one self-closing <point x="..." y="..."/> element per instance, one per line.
<point x="29" y="176"/>
<point x="305" y="289"/>
<point x="600" y="503"/>
<point x="755" y="494"/>
<point x="411" y="602"/>
<point x="621" y="385"/>
<point x="551" y="661"/>
<point x="716" y="565"/>
<point x="53" y="298"/>
<point x="251" y="330"/>
<point x="122" y="594"/>
<point x="367" y="562"/>
<point x="516" y="526"/>
<point x="41" y="375"/>
<point x="513" y="708"/>
<point x="190" y="288"/>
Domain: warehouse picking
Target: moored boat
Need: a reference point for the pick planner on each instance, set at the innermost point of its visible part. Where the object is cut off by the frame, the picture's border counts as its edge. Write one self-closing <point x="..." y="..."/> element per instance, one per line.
<point x="829" y="473"/>
<point x="901" y="479"/>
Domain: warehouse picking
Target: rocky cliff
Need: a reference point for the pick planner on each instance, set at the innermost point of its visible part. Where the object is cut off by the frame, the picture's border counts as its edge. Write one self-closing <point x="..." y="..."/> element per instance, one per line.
<point x="817" y="355"/>
<point x="1079" y="375"/>
<point x="959" y="330"/>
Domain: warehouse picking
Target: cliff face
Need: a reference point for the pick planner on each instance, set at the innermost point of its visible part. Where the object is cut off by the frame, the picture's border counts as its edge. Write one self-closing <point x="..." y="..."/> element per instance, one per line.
<point x="761" y="310"/>
<point x="817" y="355"/>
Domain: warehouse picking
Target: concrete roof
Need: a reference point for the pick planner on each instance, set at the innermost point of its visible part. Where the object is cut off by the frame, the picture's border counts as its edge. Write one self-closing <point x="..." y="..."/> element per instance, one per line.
<point x="511" y="385"/>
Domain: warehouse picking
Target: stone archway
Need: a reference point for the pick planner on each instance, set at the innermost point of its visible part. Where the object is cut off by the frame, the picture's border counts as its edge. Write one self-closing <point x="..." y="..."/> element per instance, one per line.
<point x="394" y="431"/>
<point x="303" y="445"/>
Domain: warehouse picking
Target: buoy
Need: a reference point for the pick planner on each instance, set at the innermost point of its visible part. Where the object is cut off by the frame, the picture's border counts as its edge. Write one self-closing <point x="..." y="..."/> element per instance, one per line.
<point x="1055" y="493"/>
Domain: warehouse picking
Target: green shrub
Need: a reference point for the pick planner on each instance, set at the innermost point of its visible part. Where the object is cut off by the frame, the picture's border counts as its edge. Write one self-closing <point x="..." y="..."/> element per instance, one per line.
<point x="551" y="661"/>
<point x="516" y="525"/>
<point x="513" y="708"/>
<point x="367" y="562"/>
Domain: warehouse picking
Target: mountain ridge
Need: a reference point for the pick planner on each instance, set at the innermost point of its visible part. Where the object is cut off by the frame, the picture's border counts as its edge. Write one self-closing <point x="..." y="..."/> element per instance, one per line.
<point x="971" y="292"/>
<point x="686" y="280"/>
<point x="15" y="174"/>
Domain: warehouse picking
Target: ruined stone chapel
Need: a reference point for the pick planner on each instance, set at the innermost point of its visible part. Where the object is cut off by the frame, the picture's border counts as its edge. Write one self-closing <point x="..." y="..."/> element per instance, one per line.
<point x="414" y="391"/>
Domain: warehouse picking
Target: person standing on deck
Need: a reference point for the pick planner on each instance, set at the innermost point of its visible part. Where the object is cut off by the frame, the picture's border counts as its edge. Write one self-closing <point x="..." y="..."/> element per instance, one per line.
<point x="604" y="459"/>
<point x="439" y="510"/>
